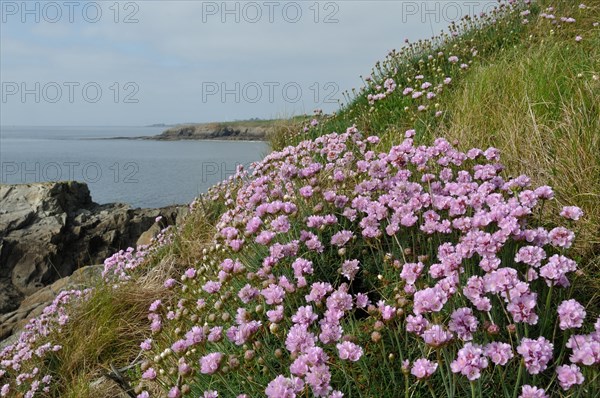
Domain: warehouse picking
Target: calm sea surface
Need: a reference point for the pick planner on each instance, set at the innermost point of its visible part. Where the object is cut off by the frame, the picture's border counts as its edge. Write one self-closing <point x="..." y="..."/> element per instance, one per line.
<point x="138" y="172"/>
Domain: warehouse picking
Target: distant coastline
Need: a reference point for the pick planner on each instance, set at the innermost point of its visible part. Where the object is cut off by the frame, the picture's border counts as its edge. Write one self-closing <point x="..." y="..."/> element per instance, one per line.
<point x="246" y="130"/>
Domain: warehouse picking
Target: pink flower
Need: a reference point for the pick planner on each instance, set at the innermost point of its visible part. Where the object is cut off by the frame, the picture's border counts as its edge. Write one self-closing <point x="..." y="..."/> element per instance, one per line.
<point x="536" y="353"/>
<point x="350" y="351"/>
<point x="411" y="272"/>
<point x="528" y="391"/>
<point x="586" y="348"/>
<point x="561" y="237"/>
<point x="463" y="323"/>
<point x="174" y="393"/>
<point x="211" y="287"/>
<point x="554" y="272"/>
<point x="169" y="283"/>
<point x="209" y="364"/>
<point x="436" y="336"/>
<point x="578" y="38"/>
<point x="283" y="387"/>
<point x="304" y="316"/>
<point x="149" y="374"/>
<point x="499" y="353"/>
<point x="569" y="375"/>
<point x="571" y="212"/>
<point x="431" y="299"/>
<point x="350" y="268"/>
<point x="341" y="238"/>
<point x="531" y="255"/>
<point x="571" y="314"/>
<point x="190" y="273"/>
<point x="273" y="294"/>
<point x="299" y="339"/>
<point x="146" y="345"/>
<point x="416" y="324"/>
<point x="470" y="361"/>
<point x="423" y="368"/>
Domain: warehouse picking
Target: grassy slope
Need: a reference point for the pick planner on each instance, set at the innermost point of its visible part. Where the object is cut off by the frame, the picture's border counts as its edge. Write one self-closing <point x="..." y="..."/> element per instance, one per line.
<point x="522" y="95"/>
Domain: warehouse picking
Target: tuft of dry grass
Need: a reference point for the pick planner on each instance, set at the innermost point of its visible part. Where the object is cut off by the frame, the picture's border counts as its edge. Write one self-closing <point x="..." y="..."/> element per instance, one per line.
<point x="104" y="332"/>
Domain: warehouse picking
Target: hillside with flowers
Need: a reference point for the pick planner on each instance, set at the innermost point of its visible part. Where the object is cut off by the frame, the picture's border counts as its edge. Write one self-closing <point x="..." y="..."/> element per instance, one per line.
<point x="438" y="236"/>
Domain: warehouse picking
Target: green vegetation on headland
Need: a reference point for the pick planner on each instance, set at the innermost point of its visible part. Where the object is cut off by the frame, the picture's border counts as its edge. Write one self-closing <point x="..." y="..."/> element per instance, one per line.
<point x="499" y="323"/>
<point x="243" y="130"/>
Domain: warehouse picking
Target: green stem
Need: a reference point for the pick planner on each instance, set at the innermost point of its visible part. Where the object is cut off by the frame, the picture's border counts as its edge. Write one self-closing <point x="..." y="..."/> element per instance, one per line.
<point x="548" y="302"/>
<point x="473" y="390"/>
<point x="519" y="375"/>
<point x="431" y="389"/>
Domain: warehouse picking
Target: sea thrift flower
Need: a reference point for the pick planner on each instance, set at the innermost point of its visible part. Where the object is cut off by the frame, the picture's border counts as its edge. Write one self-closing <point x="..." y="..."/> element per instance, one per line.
<point x="470" y="361"/>
<point x="463" y="323"/>
<point x="282" y="387"/>
<point x="211" y="287"/>
<point x="536" y="353"/>
<point x="273" y="294"/>
<point x="561" y="237"/>
<point x="209" y="364"/>
<point x="169" y="283"/>
<point x="299" y="339"/>
<point x="349" y="350"/>
<point x="275" y="315"/>
<point x="190" y="273"/>
<point x="423" y="368"/>
<point x="174" y="393"/>
<point x="149" y="374"/>
<point x="416" y="324"/>
<point x="571" y="213"/>
<point x="341" y="238"/>
<point x="569" y="375"/>
<point x="350" y="269"/>
<point x="411" y="272"/>
<point x="571" y="314"/>
<point x="586" y="348"/>
<point x="146" y="345"/>
<point x="436" y="336"/>
<point x="499" y="353"/>
<point x="528" y="391"/>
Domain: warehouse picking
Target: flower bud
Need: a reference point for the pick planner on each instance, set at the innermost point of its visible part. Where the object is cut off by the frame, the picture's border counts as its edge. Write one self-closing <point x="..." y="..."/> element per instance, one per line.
<point x="375" y="337"/>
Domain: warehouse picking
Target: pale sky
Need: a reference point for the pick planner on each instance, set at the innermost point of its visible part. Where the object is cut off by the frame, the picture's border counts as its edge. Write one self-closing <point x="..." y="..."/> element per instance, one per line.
<point x="158" y="61"/>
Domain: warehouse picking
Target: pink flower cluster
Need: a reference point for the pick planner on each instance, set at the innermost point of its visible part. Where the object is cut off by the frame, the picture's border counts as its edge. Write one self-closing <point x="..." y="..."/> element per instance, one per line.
<point x="289" y="271"/>
<point x="18" y="370"/>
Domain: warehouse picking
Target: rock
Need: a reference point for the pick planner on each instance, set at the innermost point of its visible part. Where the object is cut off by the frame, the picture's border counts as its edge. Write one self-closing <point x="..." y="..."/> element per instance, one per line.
<point x="104" y="387"/>
<point x="9" y="296"/>
<point x="49" y="230"/>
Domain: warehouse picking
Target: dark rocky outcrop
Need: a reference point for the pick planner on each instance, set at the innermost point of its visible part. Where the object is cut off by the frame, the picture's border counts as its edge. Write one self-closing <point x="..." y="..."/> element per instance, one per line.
<point x="49" y="230"/>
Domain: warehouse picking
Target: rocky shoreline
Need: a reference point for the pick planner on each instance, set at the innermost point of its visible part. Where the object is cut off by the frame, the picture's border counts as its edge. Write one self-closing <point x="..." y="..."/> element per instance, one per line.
<point x="48" y="231"/>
